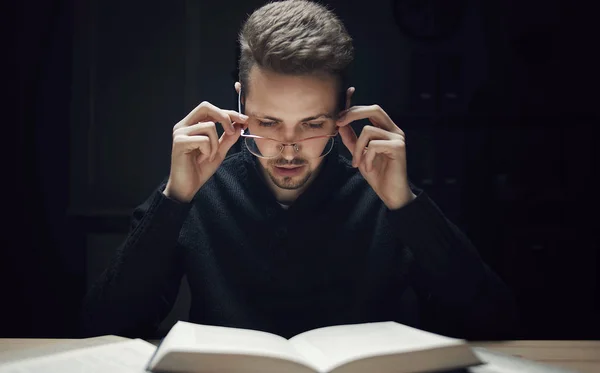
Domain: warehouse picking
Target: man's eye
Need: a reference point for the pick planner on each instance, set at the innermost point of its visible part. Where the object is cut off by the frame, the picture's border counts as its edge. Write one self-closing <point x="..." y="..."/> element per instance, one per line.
<point x="315" y="125"/>
<point x="266" y="124"/>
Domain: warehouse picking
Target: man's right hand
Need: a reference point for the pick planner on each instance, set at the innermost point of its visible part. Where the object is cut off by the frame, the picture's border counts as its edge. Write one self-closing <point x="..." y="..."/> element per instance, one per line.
<point x="197" y="152"/>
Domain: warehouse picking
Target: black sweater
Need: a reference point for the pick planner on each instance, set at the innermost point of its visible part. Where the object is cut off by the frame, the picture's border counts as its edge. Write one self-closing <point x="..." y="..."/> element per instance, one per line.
<point x="337" y="255"/>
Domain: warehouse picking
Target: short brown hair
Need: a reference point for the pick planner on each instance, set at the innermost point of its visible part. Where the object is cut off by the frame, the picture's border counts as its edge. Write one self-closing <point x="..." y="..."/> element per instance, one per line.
<point x="295" y="37"/>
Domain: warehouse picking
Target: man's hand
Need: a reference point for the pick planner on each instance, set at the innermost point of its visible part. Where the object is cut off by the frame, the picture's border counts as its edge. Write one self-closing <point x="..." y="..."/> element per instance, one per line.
<point x="197" y="151"/>
<point x="379" y="152"/>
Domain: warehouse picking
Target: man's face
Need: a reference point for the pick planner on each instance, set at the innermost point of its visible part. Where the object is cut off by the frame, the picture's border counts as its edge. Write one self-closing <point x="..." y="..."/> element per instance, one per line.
<point x="290" y="108"/>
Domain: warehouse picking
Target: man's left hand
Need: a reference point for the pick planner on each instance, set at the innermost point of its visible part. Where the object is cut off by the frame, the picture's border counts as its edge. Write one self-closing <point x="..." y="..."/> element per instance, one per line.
<point x="379" y="153"/>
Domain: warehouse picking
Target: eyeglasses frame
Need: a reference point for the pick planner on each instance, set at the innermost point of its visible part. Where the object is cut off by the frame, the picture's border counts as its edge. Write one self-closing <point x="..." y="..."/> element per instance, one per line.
<point x="283" y="144"/>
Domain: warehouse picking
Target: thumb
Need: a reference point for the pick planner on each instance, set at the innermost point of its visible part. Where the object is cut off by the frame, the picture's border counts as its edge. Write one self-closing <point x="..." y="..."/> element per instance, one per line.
<point x="227" y="140"/>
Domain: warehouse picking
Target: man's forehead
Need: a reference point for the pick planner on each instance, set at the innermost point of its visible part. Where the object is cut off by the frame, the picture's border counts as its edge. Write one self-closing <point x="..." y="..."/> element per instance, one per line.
<point x="260" y="76"/>
<point x="274" y="86"/>
<point x="262" y="104"/>
<point x="317" y="115"/>
<point x="272" y="95"/>
<point x="297" y="94"/>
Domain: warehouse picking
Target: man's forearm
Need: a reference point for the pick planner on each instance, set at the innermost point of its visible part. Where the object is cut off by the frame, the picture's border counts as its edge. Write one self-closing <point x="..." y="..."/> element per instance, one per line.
<point x="142" y="281"/>
<point x="450" y="271"/>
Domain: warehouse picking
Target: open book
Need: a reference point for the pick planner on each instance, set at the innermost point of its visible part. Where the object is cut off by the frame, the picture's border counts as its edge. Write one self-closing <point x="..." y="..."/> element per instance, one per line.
<point x="370" y="347"/>
<point x="104" y="354"/>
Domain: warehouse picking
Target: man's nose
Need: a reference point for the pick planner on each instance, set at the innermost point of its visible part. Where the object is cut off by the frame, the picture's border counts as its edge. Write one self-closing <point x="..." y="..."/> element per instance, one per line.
<point x="289" y="152"/>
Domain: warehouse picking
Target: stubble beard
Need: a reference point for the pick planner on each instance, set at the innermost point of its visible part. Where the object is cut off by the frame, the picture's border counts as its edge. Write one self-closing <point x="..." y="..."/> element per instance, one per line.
<point x="289" y="182"/>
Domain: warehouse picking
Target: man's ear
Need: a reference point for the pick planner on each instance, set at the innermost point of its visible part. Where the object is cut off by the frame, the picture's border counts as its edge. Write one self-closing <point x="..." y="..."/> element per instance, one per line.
<point x="349" y="93"/>
<point x="238" y="89"/>
<point x="345" y="98"/>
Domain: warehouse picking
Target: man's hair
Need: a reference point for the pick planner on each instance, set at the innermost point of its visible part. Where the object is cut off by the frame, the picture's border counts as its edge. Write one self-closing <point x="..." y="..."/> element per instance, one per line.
<point x="295" y="37"/>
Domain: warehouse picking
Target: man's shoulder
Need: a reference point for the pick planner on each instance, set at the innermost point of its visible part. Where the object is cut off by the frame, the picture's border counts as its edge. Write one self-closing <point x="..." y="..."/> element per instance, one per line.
<point x="350" y="174"/>
<point x="232" y="161"/>
<point x="346" y="164"/>
<point x="231" y="170"/>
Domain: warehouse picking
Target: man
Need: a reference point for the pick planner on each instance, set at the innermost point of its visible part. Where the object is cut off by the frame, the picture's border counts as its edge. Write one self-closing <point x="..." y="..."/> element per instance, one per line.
<point x="287" y="235"/>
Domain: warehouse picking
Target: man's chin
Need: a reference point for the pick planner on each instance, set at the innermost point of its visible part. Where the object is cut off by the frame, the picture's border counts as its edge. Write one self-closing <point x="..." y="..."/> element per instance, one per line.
<point x="289" y="182"/>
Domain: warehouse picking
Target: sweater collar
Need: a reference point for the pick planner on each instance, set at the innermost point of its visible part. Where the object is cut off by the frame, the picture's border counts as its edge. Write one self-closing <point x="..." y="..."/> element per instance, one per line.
<point x="316" y="194"/>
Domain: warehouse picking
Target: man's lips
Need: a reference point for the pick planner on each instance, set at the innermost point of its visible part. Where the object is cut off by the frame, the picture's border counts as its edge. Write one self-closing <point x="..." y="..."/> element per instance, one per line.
<point x="288" y="170"/>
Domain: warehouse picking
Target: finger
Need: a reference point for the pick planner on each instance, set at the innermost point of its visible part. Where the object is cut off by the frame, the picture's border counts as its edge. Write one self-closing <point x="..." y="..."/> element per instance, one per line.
<point x="183" y="144"/>
<point x="369" y="157"/>
<point x="226" y="142"/>
<point x="238" y="118"/>
<point x="207" y="110"/>
<point x="204" y="129"/>
<point x="348" y="137"/>
<point x="375" y="147"/>
<point x="373" y="113"/>
<point x="231" y="117"/>
<point x="389" y="148"/>
<point x="368" y="134"/>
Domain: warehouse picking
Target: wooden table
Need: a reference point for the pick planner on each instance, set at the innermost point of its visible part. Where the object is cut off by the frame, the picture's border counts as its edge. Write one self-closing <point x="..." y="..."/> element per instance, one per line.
<point x="582" y="356"/>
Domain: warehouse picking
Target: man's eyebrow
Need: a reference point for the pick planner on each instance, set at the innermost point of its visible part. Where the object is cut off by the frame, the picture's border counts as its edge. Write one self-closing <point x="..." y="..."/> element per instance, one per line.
<point x="308" y="119"/>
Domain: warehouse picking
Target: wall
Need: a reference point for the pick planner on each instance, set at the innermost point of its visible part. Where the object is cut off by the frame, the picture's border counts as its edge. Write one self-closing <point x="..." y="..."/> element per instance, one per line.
<point x="498" y="125"/>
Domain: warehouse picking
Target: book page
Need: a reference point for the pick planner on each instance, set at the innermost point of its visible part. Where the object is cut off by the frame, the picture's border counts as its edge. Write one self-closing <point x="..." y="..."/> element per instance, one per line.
<point x="120" y="357"/>
<point x="20" y="351"/>
<point x="209" y="339"/>
<point x="333" y="346"/>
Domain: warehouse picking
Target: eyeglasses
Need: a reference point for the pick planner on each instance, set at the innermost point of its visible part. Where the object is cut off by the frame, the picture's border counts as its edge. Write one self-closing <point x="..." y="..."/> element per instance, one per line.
<point x="265" y="147"/>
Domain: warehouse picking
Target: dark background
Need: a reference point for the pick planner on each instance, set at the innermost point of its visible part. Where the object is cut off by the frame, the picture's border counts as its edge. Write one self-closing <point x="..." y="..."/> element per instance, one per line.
<point x="498" y="99"/>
